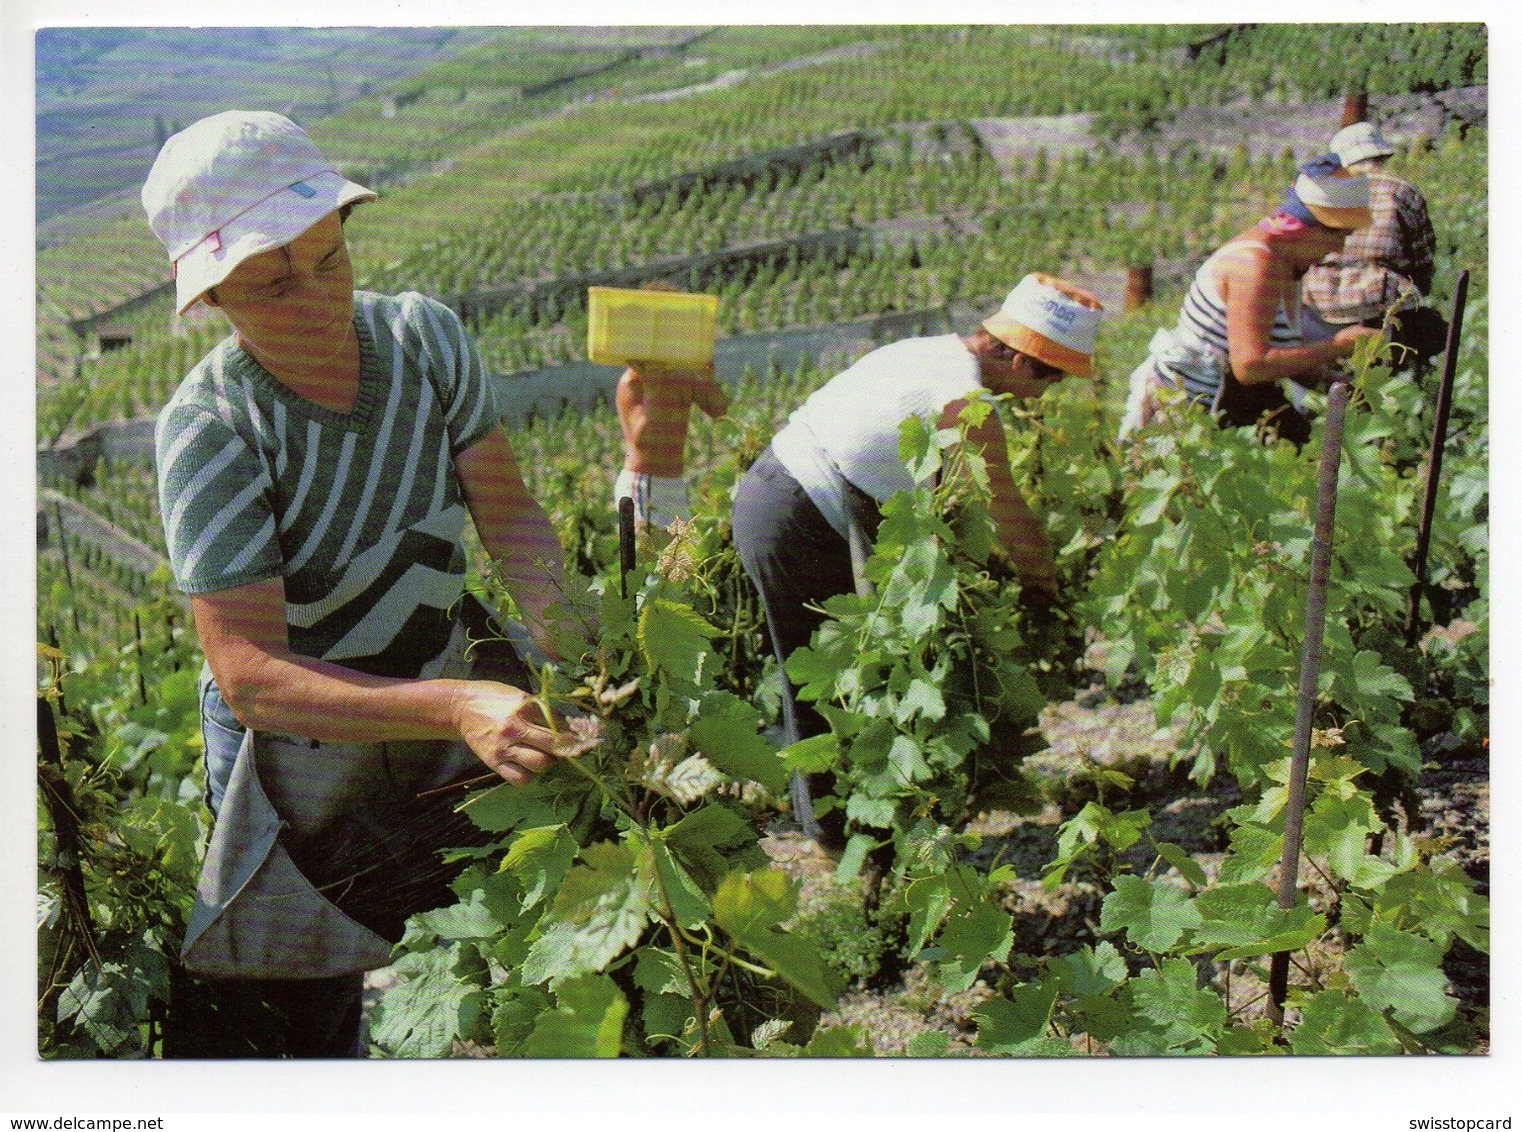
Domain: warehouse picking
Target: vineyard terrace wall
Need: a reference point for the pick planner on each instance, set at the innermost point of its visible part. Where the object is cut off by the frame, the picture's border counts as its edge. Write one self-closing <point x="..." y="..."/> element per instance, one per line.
<point x="580" y="384"/>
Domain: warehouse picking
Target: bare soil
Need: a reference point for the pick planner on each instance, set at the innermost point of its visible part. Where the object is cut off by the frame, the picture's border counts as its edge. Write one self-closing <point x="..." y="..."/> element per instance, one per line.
<point x="1454" y="811"/>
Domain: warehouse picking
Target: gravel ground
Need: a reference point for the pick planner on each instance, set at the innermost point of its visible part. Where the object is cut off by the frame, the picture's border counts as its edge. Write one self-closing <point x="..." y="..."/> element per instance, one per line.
<point x="1454" y="795"/>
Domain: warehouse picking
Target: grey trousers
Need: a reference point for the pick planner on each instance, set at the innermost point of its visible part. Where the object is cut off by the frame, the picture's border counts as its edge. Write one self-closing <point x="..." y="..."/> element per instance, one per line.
<point x="795" y="560"/>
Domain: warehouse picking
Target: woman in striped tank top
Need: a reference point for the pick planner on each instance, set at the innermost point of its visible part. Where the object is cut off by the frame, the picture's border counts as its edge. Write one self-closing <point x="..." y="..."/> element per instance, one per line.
<point x="1238" y="332"/>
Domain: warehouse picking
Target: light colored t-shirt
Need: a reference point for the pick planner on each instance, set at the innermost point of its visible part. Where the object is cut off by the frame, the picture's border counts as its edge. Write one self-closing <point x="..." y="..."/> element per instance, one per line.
<point x="360" y="513"/>
<point x="848" y="429"/>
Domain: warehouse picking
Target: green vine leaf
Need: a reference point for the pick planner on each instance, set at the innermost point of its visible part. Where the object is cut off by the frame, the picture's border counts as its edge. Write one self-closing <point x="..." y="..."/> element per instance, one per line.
<point x="814" y="755"/>
<point x="1006" y="1024"/>
<point x="587" y="1020"/>
<point x="1245" y="920"/>
<point x="540" y="858"/>
<point x="1402" y="973"/>
<point x="1190" y="1016"/>
<point x="106" y="1001"/>
<point x="1090" y="970"/>
<point x="599" y="912"/>
<point x="1435" y="898"/>
<point x="933" y="1043"/>
<point x="974" y="932"/>
<point x="1334" y="1022"/>
<point x="469" y="919"/>
<point x="689" y="907"/>
<point x="838" y="1041"/>
<point x="515" y="1009"/>
<point x="666" y="997"/>
<point x="1090" y="827"/>
<point x="503" y="808"/>
<point x="727" y="731"/>
<point x="928" y="900"/>
<point x="919" y="449"/>
<point x="674" y="639"/>
<point x="708" y="840"/>
<point x="1187" y="866"/>
<point x="1153" y="914"/>
<point x="430" y="1008"/>
<point x="751" y="907"/>
<point x="1255" y="851"/>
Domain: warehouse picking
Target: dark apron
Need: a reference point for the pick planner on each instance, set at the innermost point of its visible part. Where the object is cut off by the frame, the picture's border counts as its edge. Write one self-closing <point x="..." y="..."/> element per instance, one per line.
<point x="321" y="851"/>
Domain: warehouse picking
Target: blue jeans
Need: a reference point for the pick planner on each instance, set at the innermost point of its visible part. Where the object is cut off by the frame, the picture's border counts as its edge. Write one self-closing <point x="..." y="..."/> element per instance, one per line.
<point x="222" y="735"/>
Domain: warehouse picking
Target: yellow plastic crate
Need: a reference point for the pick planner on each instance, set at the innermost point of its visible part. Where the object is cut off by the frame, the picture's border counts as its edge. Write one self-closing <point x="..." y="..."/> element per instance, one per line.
<point x="667" y="327"/>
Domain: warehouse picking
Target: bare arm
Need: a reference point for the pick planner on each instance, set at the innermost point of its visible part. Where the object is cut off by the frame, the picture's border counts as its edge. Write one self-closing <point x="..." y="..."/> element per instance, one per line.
<point x="269" y="688"/>
<point x="514" y="529"/>
<point x="629" y="400"/>
<point x="1253" y="292"/>
<point x="1019" y="530"/>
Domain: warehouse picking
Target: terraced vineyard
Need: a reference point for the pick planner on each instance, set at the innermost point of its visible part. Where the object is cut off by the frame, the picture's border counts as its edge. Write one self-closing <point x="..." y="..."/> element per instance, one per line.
<point x="820" y="178"/>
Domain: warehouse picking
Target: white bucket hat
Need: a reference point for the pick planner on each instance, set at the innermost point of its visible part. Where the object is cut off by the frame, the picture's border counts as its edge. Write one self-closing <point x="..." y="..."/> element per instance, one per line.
<point x="1334" y="194"/>
<point x="1051" y="320"/>
<point x="1359" y="142"/>
<point x="234" y="185"/>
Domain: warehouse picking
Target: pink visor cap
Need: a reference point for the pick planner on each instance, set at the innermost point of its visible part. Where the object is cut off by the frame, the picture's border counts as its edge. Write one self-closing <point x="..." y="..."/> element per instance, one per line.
<point x="234" y="185"/>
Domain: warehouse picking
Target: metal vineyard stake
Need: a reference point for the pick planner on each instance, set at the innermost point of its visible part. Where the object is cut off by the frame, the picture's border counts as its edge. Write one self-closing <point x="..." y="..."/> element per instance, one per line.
<point x="1435" y="456"/>
<point x="625" y="544"/>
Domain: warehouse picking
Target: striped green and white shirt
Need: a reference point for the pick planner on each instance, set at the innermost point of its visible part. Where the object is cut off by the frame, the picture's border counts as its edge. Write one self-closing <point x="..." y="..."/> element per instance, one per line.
<point x="360" y="513"/>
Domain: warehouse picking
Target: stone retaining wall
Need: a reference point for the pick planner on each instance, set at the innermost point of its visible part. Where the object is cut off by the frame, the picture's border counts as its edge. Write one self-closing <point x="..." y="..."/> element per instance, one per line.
<point x="57" y="509"/>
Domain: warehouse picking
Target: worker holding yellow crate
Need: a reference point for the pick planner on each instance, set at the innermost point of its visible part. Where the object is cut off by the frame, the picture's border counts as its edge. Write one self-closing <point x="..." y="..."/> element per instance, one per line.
<point x="654" y="409"/>
<point x="665" y="340"/>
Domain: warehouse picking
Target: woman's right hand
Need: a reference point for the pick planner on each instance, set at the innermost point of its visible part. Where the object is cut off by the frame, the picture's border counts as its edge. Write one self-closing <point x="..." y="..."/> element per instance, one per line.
<point x="507" y="730"/>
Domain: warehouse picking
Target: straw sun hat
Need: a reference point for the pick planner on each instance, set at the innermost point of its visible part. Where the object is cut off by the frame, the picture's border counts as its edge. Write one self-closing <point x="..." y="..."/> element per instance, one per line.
<point x="1051" y="320"/>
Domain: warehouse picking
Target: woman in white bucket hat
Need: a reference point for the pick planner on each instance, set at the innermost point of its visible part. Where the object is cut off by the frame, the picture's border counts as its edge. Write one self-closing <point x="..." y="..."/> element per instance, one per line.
<point x="1238" y="334"/>
<point x="316" y="470"/>
<point x="837" y="458"/>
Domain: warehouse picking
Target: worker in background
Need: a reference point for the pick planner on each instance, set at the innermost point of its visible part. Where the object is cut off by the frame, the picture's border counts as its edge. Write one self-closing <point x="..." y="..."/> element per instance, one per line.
<point x="1384" y="265"/>
<point x="1238" y="344"/>
<point x="837" y="459"/>
<point x="654" y="409"/>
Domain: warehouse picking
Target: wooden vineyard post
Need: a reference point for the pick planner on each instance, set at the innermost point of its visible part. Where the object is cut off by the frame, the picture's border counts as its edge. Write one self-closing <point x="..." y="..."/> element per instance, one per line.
<point x="68" y="857"/>
<point x="53" y="642"/>
<point x="1435" y="457"/>
<point x="1355" y="107"/>
<point x="1138" y="286"/>
<point x="137" y="636"/>
<point x="1310" y="673"/>
<point x="61" y="808"/>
